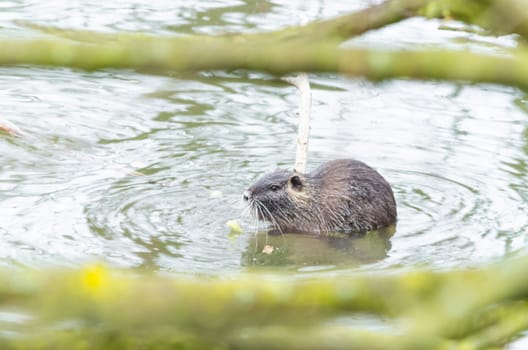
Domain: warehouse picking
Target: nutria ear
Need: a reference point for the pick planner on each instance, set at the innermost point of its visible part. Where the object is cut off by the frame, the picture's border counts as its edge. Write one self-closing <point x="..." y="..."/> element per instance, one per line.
<point x="296" y="182"/>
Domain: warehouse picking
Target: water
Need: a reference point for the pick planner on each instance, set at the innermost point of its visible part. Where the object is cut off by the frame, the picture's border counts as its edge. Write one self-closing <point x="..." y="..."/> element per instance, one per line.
<point x="454" y="153"/>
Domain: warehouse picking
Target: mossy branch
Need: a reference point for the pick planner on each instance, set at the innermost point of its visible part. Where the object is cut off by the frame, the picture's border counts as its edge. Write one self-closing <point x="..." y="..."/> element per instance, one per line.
<point x="429" y="310"/>
<point x="334" y="29"/>
<point x="311" y="48"/>
<point x="500" y="16"/>
<point x="260" y="311"/>
<point x="186" y="54"/>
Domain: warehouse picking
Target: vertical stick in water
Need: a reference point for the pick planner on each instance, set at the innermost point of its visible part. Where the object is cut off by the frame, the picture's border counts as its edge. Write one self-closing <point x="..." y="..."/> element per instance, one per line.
<point x="303" y="85"/>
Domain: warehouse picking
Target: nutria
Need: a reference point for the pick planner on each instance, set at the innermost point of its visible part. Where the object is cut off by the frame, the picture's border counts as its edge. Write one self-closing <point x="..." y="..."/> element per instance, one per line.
<point x="339" y="196"/>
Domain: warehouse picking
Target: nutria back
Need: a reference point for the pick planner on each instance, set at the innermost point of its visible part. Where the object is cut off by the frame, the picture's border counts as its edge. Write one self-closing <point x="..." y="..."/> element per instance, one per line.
<point x="342" y="195"/>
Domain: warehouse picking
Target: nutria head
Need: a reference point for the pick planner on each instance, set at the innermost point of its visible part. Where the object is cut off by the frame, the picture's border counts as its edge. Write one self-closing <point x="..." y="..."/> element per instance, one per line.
<point x="277" y="197"/>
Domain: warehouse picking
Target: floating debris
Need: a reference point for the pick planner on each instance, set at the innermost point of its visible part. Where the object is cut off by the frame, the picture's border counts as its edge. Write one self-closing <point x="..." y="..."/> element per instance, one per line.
<point x="10" y="128"/>
<point x="236" y="230"/>
<point x="268" y="249"/>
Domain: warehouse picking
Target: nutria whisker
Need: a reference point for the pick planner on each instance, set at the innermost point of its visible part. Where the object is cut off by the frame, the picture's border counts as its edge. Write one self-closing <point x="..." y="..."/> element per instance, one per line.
<point x="246" y="211"/>
<point x="340" y="196"/>
<point x="257" y="215"/>
<point x="261" y="207"/>
<point x="273" y="220"/>
<point x="260" y="214"/>
<point x="258" y="211"/>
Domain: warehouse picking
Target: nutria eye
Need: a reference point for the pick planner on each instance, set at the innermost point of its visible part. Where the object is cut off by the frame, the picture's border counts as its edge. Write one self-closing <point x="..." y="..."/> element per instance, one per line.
<point x="274" y="187"/>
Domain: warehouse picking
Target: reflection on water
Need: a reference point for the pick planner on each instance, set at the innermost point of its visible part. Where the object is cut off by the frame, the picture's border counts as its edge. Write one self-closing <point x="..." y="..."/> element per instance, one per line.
<point x="455" y="154"/>
<point x="306" y="252"/>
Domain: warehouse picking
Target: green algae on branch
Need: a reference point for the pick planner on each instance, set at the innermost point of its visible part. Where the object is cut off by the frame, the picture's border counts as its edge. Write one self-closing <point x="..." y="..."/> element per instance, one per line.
<point x="339" y="28"/>
<point x="186" y="54"/>
<point x="501" y="16"/>
<point x="314" y="47"/>
<point x="466" y="309"/>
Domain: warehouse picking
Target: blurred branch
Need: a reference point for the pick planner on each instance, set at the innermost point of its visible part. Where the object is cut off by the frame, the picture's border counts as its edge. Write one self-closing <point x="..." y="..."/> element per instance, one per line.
<point x="500" y="16"/>
<point x="429" y="310"/>
<point x="186" y="54"/>
<point x="509" y="322"/>
<point x="314" y="47"/>
<point x="422" y="309"/>
<point x="335" y="29"/>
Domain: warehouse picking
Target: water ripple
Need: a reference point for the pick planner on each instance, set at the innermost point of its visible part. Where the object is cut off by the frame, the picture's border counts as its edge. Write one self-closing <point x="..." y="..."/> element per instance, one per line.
<point x="455" y="154"/>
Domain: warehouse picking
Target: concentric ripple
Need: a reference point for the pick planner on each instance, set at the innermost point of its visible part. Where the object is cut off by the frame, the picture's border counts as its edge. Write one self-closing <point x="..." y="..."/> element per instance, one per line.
<point x="160" y="223"/>
<point x="143" y="171"/>
<point x="437" y="217"/>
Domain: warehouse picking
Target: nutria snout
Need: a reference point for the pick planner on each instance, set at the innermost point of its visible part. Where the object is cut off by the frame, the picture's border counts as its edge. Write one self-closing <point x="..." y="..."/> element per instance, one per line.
<point x="339" y="196"/>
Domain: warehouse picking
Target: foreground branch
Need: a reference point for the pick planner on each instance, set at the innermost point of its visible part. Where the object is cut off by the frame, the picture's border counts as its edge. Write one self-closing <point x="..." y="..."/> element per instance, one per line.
<point x="334" y="29"/>
<point x="498" y="16"/>
<point x="257" y="312"/>
<point x="310" y="48"/>
<point x="186" y="54"/>
<point x="438" y="310"/>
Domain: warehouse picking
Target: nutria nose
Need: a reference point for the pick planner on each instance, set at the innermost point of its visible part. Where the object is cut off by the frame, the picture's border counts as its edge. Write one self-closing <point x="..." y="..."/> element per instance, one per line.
<point x="246" y="195"/>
